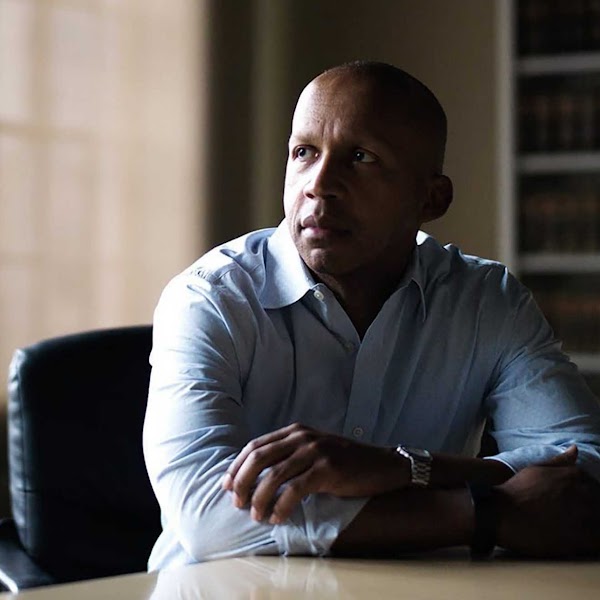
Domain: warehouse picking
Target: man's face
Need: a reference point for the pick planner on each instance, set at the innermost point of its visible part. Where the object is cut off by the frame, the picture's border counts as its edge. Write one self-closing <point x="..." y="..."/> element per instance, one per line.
<point x="356" y="180"/>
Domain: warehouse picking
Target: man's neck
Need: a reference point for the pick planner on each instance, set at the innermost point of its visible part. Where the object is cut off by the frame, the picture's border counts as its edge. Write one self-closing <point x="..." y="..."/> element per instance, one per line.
<point x="362" y="295"/>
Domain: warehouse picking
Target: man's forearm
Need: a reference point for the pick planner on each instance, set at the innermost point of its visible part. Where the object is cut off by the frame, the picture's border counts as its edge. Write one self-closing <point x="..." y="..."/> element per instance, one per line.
<point x="549" y="510"/>
<point x="451" y="470"/>
<point x="413" y="519"/>
<point x="298" y="461"/>
<point x="546" y="510"/>
<point x="409" y="520"/>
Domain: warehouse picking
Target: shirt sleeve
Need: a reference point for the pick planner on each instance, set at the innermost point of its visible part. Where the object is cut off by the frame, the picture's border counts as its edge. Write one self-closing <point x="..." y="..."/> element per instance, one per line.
<point x="196" y="424"/>
<point x="539" y="403"/>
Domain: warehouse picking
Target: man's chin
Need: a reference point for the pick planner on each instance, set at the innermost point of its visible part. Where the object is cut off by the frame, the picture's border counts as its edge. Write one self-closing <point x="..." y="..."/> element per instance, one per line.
<point x="327" y="262"/>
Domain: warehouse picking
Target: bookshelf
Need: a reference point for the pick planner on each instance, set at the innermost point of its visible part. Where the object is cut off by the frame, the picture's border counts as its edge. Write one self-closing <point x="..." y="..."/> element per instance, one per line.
<point x="555" y="88"/>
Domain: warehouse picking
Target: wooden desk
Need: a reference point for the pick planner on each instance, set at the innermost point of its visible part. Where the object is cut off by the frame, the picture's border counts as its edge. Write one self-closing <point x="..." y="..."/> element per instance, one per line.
<point x="273" y="578"/>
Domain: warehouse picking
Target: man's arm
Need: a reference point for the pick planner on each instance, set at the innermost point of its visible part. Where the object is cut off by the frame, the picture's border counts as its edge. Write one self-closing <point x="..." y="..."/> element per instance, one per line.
<point x="301" y="461"/>
<point x="549" y="510"/>
<point x="544" y="510"/>
<point x="298" y="461"/>
<point x="411" y="520"/>
<point x="197" y="422"/>
<point x="196" y="426"/>
<point x="537" y="401"/>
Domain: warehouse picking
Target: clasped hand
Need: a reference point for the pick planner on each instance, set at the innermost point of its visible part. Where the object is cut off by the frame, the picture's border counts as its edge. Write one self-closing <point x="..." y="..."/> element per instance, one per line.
<point x="550" y="510"/>
<point x="296" y="461"/>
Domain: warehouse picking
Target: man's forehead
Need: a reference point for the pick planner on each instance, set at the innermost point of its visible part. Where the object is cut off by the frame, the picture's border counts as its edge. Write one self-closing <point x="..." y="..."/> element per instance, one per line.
<point x="336" y="91"/>
<point x="328" y="100"/>
<point x="359" y="110"/>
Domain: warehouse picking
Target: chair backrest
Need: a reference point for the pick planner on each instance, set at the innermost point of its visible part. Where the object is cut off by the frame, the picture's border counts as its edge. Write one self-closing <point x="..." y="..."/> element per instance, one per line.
<point x="80" y="494"/>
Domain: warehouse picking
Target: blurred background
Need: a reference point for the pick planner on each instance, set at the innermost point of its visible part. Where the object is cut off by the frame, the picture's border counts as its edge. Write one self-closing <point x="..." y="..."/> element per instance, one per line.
<point x="136" y="134"/>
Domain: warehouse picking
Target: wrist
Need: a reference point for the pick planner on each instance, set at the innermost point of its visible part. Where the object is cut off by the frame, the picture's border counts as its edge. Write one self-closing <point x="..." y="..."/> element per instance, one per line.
<point x="485" y="521"/>
<point x="401" y="475"/>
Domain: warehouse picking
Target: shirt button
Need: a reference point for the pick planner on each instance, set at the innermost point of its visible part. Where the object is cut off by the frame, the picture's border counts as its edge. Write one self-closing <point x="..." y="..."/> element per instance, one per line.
<point x="357" y="432"/>
<point x="319" y="295"/>
<point x="349" y="346"/>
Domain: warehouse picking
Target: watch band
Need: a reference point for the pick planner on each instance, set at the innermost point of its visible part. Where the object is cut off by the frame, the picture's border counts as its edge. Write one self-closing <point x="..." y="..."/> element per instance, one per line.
<point x="420" y="464"/>
<point x="484" y="534"/>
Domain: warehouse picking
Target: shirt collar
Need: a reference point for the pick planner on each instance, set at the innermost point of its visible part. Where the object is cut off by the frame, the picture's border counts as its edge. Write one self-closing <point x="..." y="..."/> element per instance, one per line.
<point x="415" y="272"/>
<point x="288" y="279"/>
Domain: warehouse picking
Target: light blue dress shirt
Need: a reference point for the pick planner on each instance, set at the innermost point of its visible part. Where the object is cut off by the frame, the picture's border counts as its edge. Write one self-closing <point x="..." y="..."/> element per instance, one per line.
<point x="245" y="342"/>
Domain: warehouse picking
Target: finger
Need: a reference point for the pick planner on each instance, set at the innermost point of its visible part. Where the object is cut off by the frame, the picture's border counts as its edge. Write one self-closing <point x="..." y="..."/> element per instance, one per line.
<point x="264" y="457"/>
<point x="256" y="443"/>
<point x="263" y="497"/>
<point x="293" y="493"/>
<point x="565" y="459"/>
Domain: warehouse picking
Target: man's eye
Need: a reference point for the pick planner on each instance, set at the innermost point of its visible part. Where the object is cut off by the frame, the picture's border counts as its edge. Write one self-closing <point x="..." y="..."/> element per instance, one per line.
<point x="362" y="156"/>
<point x="304" y="152"/>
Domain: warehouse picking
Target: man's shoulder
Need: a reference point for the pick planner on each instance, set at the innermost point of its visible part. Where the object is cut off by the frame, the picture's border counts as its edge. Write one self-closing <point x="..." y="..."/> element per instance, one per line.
<point x="233" y="272"/>
<point x="447" y="270"/>
<point x="237" y="260"/>
<point x="262" y="269"/>
<point x="475" y="294"/>
<point x="442" y="261"/>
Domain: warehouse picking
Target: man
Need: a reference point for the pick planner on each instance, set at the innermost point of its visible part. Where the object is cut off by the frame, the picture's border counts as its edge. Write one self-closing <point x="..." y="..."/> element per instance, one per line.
<point x="322" y="387"/>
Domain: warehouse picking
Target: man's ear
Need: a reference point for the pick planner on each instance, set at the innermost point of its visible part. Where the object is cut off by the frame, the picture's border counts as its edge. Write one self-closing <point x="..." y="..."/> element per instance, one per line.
<point x="439" y="198"/>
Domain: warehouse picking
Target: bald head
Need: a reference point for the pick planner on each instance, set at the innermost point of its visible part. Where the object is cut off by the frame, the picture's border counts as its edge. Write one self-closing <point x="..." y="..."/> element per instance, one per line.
<point x="364" y="172"/>
<point x="405" y="95"/>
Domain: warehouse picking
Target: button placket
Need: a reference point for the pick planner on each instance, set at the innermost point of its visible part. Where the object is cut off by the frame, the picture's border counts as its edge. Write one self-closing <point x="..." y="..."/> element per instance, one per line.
<point x="365" y="396"/>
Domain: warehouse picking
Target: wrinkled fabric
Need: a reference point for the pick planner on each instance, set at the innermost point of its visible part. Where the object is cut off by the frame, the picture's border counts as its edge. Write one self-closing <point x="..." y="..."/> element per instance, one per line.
<point x="246" y="341"/>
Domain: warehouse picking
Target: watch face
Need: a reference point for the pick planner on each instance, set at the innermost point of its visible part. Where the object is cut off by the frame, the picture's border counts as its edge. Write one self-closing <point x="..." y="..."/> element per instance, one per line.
<point x="418" y="452"/>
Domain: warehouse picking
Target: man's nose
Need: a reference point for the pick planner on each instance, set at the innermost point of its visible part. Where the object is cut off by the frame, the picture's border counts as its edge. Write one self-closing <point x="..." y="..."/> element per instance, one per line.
<point x="325" y="179"/>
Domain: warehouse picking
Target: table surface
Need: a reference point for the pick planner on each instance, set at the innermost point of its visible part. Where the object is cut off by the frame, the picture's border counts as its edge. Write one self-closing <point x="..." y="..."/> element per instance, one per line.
<point x="277" y="577"/>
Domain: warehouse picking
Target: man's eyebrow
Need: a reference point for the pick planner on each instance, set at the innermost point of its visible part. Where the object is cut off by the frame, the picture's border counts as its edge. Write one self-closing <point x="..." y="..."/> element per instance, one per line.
<point x="369" y="142"/>
<point x="376" y="144"/>
<point x="301" y="137"/>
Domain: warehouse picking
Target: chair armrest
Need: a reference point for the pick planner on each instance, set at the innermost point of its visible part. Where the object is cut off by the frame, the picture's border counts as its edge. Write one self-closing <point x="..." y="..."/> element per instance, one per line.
<point x="17" y="570"/>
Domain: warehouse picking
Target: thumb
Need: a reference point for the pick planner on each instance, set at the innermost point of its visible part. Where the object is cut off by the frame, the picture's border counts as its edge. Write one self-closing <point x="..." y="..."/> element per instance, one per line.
<point x="566" y="459"/>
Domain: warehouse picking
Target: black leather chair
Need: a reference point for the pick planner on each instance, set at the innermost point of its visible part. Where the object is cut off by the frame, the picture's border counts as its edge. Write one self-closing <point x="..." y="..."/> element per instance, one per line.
<point x="82" y="505"/>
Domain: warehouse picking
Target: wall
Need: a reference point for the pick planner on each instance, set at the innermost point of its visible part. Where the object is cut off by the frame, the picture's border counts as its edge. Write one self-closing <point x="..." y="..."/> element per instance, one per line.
<point x="449" y="44"/>
<point x="101" y="105"/>
<point x="99" y="121"/>
<point x="113" y="176"/>
<point x="459" y="64"/>
<point x="146" y="180"/>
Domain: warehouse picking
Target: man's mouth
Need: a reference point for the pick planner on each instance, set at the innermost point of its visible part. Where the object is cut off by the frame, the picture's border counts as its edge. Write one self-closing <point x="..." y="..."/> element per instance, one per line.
<point x="323" y="227"/>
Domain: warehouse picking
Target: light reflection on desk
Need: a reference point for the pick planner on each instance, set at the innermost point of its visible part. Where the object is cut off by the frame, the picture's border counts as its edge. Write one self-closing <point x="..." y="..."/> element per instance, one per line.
<point x="254" y="578"/>
<point x="449" y="578"/>
<point x="434" y="577"/>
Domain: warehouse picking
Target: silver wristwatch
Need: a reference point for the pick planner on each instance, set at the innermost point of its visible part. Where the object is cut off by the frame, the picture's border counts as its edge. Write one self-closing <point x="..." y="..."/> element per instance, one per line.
<point x="420" y="464"/>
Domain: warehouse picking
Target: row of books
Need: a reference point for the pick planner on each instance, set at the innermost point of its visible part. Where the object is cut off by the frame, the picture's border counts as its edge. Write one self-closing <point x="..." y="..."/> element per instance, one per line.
<point x="559" y="119"/>
<point x="547" y="26"/>
<point x="560" y="221"/>
<point x="574" y="316"/>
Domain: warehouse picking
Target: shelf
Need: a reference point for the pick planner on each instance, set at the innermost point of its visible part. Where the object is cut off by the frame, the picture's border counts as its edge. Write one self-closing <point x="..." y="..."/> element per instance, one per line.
<point x="549" y="262"/>
<point x="558" y="162"/>
<point x="559" y="64"/>
<point x="587" y="363"/>
<point x="554" y="181"/>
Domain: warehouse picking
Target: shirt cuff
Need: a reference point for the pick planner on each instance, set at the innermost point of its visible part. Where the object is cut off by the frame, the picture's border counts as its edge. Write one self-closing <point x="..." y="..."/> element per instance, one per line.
<point x="528" y="455"/>
<point x="316" y="524"/>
